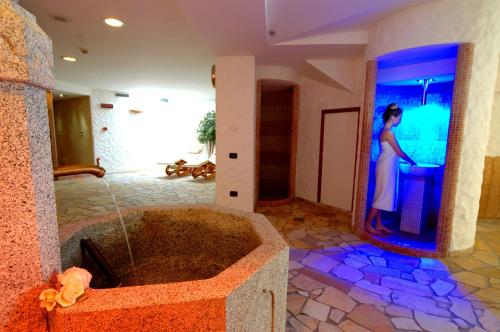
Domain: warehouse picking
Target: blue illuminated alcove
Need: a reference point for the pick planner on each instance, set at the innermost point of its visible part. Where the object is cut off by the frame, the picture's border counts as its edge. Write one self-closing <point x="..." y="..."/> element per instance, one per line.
<point x="423" y="132"/>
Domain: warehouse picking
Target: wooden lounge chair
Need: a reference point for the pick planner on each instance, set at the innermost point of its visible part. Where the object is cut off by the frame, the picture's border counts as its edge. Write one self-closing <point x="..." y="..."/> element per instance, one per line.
<point x="205" y="169"/>
<point x="178" y="167"/>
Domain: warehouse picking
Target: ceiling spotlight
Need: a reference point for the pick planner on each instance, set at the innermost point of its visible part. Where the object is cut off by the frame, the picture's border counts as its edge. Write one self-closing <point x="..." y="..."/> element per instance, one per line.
<point x="113" y="22"/>
<point x="61" y="95"/>
<point x="69" y="58"/>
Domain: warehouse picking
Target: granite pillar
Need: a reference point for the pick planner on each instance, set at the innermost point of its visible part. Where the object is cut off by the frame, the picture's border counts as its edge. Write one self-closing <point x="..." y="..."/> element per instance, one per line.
<point x="28" y="224"/>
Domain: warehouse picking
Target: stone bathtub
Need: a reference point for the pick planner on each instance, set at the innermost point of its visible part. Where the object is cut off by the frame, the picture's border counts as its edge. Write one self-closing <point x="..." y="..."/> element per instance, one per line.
<point x="199" y="268"/>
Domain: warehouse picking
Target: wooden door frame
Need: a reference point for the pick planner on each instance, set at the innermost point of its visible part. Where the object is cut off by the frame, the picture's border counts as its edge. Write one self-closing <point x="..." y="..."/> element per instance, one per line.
<point x="322" y="132"/>
<point x="293" y="143"/>
<point x="52" y="129"/>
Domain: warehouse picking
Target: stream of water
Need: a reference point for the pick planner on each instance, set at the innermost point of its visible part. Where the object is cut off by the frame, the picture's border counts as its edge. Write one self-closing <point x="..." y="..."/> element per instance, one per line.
<point x="123" y="226"/>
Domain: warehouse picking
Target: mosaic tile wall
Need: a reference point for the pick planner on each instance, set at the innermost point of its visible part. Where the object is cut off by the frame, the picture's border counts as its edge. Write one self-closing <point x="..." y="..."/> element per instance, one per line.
<point x="423" y="131"/>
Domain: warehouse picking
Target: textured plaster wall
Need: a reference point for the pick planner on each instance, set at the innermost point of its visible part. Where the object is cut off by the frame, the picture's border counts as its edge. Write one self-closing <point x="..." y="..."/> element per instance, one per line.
<point x="163" y="132"/>
<point x="494" y="143"/>
<point x="452" y="21"/>
<point x="315" y="97"/>
<point x="235" y="97"/>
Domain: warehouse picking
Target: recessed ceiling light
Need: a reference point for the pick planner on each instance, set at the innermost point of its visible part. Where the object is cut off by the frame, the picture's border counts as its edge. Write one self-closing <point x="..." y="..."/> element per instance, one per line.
<point x="61" y="95"/>
<point x="113" y="22"/>
<point x="69" y="58"/>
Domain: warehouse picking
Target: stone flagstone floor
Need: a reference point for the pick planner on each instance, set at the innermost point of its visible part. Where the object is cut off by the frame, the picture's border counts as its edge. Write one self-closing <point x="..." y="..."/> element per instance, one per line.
<point x="85" y="197"/>
<point x="336" y="281"/>
<point x="339" y="283"/>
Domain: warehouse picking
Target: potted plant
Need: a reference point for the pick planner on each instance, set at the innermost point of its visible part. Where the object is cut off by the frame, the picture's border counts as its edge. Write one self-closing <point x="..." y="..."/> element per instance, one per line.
<point x="206" y="132"/>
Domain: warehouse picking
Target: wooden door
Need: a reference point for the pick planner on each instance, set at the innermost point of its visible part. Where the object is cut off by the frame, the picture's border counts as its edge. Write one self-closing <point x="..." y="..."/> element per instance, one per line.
<point x="339" y="135"/>
<point x="276" y="144"/>
<point x="74" y="131"/>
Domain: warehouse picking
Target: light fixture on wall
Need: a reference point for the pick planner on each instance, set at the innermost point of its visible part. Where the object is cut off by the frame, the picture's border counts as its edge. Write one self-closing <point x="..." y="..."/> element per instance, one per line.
<point x="113" y="22"/>
<point x="68" y="58"/>
<point x="212" y="75"/>
<point x="60" y="18"/>
<point x="107" y="106"/>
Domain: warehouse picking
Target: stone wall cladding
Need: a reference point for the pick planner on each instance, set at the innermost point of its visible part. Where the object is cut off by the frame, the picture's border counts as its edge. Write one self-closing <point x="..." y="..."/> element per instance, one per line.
<point x="28" y="225"/>
<point x="42" y="179"/>
<point x="26" y="49"/>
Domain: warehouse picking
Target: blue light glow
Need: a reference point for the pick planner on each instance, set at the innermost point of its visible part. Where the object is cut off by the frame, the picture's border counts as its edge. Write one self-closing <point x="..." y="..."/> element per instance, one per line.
<point x="423" y="132"/>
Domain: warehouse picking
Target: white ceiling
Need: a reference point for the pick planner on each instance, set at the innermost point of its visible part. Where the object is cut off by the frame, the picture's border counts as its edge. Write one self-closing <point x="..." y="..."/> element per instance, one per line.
<point x="157" y="48"/>
<point x="238" y="27"/>
<point x="242" y="26"/>
<point x="170" y="46"/>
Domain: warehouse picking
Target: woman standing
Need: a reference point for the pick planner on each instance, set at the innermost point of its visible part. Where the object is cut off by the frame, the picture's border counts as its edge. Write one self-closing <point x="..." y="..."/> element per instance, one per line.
<point x="387" y="170"/>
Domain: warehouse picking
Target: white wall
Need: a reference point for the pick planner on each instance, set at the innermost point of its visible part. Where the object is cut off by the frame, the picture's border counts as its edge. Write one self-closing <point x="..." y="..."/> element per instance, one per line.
<point x="315" y="97"/>
<point x="235" y="96"/>
<point x="452" y="21"/>
<point x="72" y="88"/>
<point x="494" y="142"/>
<point x="162" y="133"/>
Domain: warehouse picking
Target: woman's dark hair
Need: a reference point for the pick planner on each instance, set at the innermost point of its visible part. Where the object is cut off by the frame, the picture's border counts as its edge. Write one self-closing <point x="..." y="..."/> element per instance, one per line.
<point x="391" y="110"/>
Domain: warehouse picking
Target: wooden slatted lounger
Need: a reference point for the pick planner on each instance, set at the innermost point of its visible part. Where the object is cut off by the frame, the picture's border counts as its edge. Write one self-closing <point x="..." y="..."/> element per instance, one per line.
<point x="178" y="167"/>
<point x="205" y="169"/>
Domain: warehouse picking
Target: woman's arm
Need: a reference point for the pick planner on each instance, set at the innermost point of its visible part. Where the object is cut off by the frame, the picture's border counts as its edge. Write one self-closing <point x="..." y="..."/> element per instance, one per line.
<point x="391" y="139"/>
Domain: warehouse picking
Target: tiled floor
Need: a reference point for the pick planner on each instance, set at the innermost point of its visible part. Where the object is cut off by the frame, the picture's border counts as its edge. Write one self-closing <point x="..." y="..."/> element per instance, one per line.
<point x="85" y="197"/>
<point x="339" y="283"/>
<point x="336" y="281"/>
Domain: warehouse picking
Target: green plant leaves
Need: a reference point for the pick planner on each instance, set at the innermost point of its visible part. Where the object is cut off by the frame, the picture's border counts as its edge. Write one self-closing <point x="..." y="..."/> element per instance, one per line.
<point x="206" y="128"/>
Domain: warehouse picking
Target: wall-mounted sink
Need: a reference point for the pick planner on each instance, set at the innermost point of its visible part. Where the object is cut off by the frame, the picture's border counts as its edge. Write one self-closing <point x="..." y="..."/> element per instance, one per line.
<point x="422" y="170"/>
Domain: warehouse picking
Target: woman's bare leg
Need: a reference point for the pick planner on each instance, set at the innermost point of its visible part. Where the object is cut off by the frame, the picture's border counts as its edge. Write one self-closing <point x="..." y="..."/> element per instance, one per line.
<point x="368" y="224"/>
<point x="380" y="226"/>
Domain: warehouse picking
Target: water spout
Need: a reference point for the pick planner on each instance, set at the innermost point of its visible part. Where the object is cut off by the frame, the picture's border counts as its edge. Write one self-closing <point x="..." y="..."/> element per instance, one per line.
<point x="95" y="170"/>
<point x="132" y="263"/>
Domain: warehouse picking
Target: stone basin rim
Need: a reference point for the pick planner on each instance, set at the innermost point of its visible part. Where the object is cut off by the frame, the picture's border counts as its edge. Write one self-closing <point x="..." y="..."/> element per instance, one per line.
<point x="218" y="286"/>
